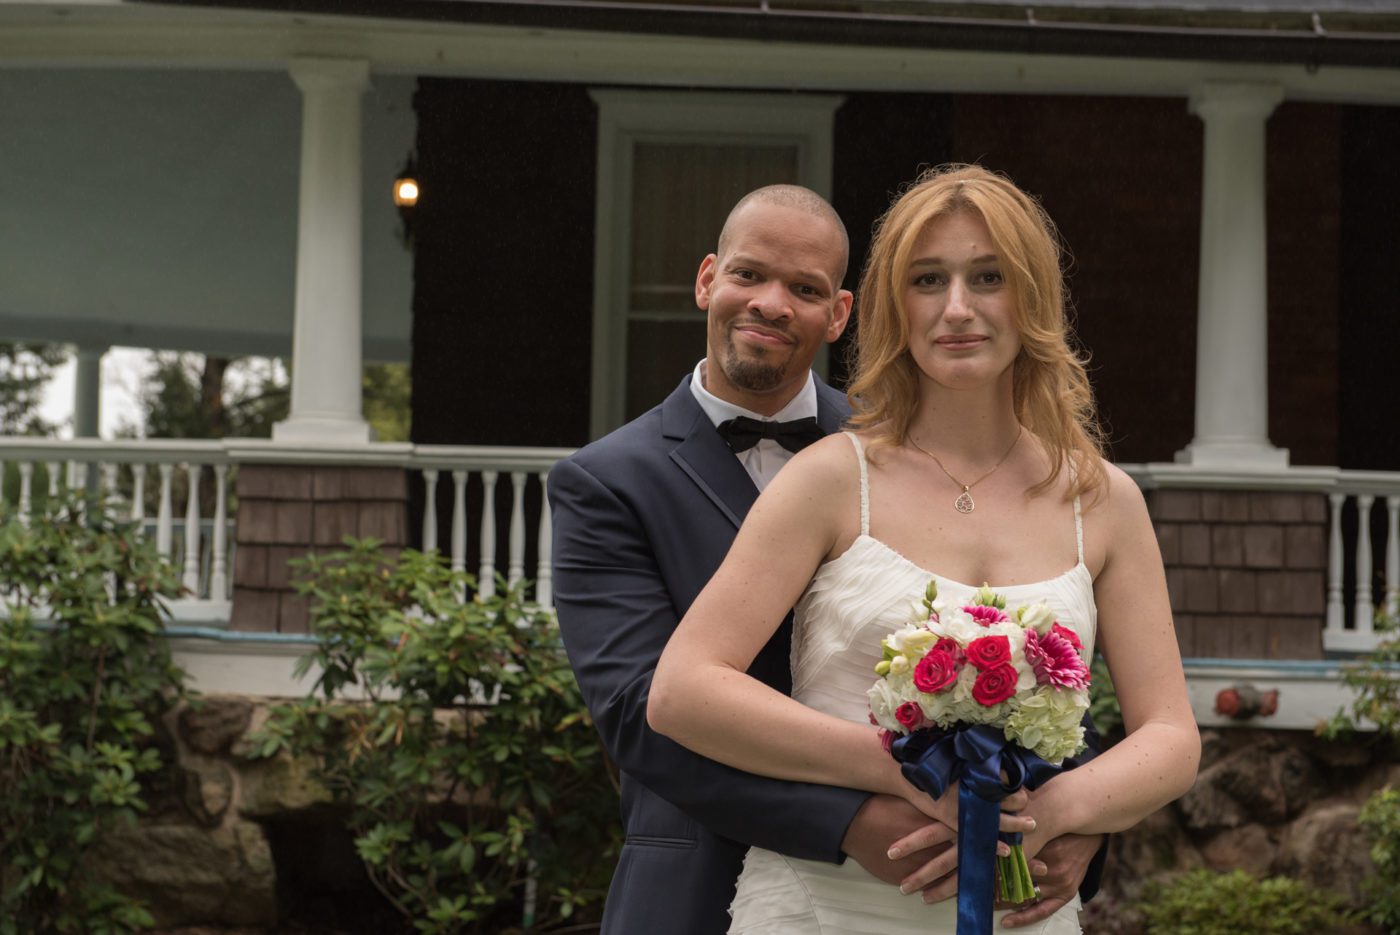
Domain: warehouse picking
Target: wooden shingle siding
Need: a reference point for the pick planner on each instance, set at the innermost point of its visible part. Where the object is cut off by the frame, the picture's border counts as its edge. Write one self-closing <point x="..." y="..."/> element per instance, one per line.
<point x="286" y="512"/>
<point x="1246" y="571"/>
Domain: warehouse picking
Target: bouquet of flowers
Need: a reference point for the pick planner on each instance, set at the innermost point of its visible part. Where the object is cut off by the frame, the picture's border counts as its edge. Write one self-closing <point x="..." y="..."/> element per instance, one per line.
<point x="992" y="699"/>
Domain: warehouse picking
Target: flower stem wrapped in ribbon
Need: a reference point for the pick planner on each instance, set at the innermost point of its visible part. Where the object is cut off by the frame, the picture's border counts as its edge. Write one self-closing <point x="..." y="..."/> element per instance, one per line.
<point x="976" y="757"/>
<point x="970" y="693"/>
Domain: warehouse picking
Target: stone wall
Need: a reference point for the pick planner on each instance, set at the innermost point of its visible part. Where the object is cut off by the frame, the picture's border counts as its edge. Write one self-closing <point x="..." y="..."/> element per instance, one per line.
<point x="203" y="855"/>
<point x="1268" y="802"/>
<point x="216" y="852"/>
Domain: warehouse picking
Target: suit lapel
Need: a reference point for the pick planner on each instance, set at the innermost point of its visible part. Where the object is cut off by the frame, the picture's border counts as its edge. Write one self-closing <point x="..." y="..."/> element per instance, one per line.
<point x="707" y="460"/>
<point x="704" y="457"/>
<point x="832" y="408"/>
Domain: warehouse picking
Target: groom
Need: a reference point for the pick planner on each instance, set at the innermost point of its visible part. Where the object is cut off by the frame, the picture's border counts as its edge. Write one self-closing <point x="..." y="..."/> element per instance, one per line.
<point x="644" y="517"/>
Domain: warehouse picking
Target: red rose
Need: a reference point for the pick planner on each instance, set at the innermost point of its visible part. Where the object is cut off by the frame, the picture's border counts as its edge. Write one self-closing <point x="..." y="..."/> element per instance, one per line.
<point x="1069" y="635"/>
<point x="989" y="651"/>
<point x="887" y="739"/>
<point x="950" y="646"/>
<point x="994" y="685"/>
<point x="910" y="715"/>
<point x="936" y="672"/>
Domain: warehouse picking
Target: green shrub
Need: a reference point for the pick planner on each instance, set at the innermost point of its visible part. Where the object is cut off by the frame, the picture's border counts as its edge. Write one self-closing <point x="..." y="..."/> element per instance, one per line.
<point x="85" y="674"/>
<point x="1380" y="816"/>
<point x="1375" y="678"/>
<point x="1103" y="700"/>
<point x="454" y="735"/>
<point x="1204" y="902"/>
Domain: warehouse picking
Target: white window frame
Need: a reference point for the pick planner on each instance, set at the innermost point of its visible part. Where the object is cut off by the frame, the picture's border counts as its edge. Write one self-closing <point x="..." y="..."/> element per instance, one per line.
<point x="627" y="117"/>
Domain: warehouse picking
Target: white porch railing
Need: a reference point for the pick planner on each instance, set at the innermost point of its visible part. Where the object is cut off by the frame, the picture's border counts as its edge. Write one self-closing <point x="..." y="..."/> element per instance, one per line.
<point x="508" y="526"/>
<point x="198" y="547"/>
<point x="484" y="507"/>
<point x="1359" y="504"/>
<point x="511" y="523"/>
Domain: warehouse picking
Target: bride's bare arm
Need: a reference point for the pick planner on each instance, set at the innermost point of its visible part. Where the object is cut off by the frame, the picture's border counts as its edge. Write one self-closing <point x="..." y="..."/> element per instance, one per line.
<point x="1157" y="761"/>
<point x="701" y="696"/>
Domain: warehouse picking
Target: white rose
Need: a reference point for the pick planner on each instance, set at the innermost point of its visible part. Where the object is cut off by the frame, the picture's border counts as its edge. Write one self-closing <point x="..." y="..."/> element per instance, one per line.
<point x="899" y="665"/>
<point x="1039" y="617"/>
<point x="911" y="641"/>
<point x="883" y="701"/>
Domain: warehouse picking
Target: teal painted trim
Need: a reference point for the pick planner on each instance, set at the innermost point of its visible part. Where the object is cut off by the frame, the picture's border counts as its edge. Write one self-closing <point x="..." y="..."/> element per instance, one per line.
<point x="1280" y="665"/>
<point x="239" y="636"/>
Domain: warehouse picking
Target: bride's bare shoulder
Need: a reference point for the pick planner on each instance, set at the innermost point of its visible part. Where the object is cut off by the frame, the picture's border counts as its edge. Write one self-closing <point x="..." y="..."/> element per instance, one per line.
<point x="830" y="461"/>
<point x="1119" y="497"/>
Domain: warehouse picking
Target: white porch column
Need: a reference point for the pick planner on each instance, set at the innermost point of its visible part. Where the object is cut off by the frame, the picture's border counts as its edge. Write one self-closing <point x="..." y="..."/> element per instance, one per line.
<point x="326" y="347"/>
<point x="87" y="391"/>
<point x="1232" y="339"/>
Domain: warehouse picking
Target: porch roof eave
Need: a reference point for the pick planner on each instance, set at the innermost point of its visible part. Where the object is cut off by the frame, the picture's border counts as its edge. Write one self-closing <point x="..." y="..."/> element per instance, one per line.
<point x="1350" y="33"/>
<point x="694" y="45"/>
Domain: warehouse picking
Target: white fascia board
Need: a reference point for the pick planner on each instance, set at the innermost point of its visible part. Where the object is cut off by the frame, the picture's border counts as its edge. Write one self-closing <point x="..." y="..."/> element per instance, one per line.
<point x="1309" y="692"/>
<point x="31" y="36"/>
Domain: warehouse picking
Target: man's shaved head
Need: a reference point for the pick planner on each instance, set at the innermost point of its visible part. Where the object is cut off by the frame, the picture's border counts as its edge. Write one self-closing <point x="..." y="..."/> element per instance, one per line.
<point x="799" y="199"/>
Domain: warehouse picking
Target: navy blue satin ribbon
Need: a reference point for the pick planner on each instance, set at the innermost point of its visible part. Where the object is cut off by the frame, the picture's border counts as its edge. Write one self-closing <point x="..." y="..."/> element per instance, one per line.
<point x="932" y="760"/>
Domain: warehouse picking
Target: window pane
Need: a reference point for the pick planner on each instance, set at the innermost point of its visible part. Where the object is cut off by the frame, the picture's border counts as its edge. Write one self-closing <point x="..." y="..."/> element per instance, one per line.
<point x="681" y="194"/>
<point x="659" y="353"/>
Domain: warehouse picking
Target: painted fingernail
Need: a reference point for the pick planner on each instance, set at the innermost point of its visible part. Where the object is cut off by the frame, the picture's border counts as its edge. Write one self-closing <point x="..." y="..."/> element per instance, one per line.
<point x="1003" y="850"/>
<point x="1030" y="822"/>
<point x="905" y="889"/>
<point x="894" y="853"/>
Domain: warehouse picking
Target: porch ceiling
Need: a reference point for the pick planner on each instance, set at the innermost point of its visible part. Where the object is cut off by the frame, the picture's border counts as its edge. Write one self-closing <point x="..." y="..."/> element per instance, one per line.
<point x="159" y="209"/>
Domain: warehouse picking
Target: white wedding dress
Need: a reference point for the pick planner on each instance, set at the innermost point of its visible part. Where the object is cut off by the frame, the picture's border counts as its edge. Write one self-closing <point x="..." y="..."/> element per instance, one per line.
<point x="853" y="602"/>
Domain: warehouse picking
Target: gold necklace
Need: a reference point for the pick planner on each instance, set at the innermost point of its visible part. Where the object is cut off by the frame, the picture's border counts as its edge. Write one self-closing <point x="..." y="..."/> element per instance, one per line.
<point x="964" y="503"/>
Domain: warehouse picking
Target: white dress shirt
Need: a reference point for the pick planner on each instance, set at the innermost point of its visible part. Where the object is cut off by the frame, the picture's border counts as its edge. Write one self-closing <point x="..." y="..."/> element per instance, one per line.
<point x="765" y="459"/>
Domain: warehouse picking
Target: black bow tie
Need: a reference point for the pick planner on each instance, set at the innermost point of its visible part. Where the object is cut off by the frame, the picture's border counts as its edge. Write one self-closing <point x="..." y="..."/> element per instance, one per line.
<point x="743" y="433"/>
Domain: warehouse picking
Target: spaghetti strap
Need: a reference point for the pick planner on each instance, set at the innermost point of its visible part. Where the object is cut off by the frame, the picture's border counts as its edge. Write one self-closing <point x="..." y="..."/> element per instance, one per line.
<point x="1078" y="529"/>
<point x="865" y="484"/>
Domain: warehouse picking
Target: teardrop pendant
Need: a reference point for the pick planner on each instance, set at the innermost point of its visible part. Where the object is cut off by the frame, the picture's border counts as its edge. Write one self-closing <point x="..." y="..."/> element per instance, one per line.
<point x="964" y="502"/>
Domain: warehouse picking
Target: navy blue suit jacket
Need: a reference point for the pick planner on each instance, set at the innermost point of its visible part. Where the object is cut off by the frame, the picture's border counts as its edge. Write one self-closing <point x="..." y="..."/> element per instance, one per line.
<point x="642" y="520"/>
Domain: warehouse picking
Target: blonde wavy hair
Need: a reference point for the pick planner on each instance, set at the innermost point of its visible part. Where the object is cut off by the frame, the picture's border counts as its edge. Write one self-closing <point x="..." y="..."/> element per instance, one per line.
<point x="1050" y="387"/>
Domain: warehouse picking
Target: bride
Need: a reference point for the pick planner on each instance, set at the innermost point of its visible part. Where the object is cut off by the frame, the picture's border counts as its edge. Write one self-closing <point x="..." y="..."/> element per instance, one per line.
<point x="974" y="458"/>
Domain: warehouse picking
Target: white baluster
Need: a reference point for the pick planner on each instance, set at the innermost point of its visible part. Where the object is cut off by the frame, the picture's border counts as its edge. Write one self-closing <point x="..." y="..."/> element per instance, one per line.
<point x="459" y="520"/>
<point x="138" y="498"/>
<point x="486" y="580"/>
<point x="544" y="574"/>
<point x="1336" y="613"/>
<point x="191" y="576"/>
<point x="26" y="490"/>
<point x="1365" y="606"/>
<point x="53" y="469"/>
<point x="515" y="567"/>
<point x="108" y="472"/>
<point x="1392" y="557"/>
<point x="77" y="480"/>
<point x="218" y="573"/>
<point x="164" y="513"/>
<point x="430" y="479"/>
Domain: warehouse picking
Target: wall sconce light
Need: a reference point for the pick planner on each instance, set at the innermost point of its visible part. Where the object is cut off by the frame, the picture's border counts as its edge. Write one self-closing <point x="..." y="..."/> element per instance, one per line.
<point x="406" y="193"/>
<point x="406" y="185"/>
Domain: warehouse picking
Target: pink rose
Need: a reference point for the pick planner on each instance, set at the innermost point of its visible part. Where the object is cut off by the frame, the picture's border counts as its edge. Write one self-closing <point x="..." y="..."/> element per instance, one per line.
<point x="887" y="738"/>
<point x="937" y="671"/>
<point x="986" y="615"/>
<point x="1068" y="635"/>
<point x="994" y="685"/>
<point x="989" y="651"/>
<point x="909" y="715"/>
